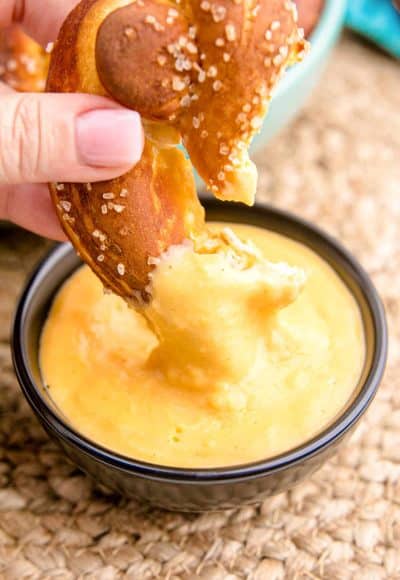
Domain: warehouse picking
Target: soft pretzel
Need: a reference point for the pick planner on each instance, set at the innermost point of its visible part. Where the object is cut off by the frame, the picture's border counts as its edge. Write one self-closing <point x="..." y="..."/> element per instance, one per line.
<point x="23" y="63"/>
<point x="197" y="70"/>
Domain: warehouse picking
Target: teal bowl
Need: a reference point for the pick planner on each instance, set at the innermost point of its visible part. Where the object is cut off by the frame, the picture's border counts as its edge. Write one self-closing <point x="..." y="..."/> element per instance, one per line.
<point x="298" y="83"/>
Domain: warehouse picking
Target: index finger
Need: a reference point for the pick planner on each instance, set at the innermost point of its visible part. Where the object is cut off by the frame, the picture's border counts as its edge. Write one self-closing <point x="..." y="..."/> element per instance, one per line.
<point x="41" y="19"/>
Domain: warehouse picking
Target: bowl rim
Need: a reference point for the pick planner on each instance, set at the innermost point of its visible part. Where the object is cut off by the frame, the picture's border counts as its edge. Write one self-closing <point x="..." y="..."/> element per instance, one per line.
<point x="331" y="19"/>
<point x="312" y="447"/>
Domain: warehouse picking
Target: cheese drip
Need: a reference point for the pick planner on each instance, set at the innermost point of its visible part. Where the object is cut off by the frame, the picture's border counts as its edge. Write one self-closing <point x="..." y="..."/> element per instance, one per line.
<point x="211" y="306"/>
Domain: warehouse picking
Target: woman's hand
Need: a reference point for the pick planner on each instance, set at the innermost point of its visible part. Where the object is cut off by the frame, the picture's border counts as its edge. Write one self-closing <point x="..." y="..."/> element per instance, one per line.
<point x="45" y="137"/>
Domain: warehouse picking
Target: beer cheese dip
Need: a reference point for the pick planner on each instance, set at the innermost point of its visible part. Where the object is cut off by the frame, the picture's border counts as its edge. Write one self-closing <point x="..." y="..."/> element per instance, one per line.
<point x="250" y="346"/>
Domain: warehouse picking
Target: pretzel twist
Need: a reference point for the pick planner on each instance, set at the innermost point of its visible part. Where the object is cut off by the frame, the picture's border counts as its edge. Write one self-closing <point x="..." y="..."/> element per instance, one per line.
<point x="23" y="63"/>
<point x="198" y="71"/>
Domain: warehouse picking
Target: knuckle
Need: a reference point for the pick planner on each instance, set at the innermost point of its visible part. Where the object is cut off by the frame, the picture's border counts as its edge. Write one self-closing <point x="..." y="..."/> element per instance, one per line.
<point x="21" y="140"/>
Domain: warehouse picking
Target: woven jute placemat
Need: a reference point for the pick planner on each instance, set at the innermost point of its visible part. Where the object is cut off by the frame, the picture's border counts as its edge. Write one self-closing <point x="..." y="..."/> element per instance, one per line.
<point x="338" y="165"/>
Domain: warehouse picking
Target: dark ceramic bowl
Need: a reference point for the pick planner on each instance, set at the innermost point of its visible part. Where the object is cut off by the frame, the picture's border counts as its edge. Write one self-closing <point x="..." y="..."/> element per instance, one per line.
<point x="201" y="489"/>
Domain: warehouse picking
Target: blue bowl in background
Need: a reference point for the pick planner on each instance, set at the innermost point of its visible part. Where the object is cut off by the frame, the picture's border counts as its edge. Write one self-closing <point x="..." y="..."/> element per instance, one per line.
<point x="298" y="83"/>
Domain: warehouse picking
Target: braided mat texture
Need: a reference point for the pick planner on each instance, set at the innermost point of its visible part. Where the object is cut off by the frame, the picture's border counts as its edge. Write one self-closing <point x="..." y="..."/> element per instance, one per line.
<point x="339" y="166"/>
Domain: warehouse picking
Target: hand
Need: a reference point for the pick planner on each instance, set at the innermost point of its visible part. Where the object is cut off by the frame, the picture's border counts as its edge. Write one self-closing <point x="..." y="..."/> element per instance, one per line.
<point x="45" y="137"/>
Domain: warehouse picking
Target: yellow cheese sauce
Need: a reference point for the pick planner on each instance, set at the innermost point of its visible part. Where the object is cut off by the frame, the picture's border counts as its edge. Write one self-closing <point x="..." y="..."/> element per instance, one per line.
<point x="239" y="356"/>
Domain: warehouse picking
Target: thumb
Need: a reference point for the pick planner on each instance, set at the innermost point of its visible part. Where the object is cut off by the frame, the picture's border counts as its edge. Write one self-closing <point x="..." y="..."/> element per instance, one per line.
<point x="65" y="137"/>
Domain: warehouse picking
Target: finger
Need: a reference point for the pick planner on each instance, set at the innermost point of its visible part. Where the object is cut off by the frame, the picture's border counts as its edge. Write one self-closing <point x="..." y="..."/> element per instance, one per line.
<point x="5" y="89"/>
<point x="43" y="25"/>
<point x="30" y="206"/>
<point x="81" y="138"/>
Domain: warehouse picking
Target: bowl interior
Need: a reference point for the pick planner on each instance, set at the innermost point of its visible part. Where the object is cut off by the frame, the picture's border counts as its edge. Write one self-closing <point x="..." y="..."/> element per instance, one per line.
<point x="61" y="262"/>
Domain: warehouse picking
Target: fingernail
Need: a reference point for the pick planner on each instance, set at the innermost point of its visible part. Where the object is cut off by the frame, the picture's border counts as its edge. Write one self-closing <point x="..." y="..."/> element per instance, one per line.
<point x="109" y="137"/>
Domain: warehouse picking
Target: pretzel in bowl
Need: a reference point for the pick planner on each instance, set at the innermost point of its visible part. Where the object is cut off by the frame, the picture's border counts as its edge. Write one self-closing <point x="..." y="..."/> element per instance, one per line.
<point x="23" y="63"/>
<point x="197" y="71"/>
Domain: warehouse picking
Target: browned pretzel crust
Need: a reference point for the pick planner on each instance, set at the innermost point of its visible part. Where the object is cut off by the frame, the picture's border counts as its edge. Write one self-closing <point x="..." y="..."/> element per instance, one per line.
<point x="117" y="225"/>
<point x="193" y="69"/>
<point x="23" y="63"/>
